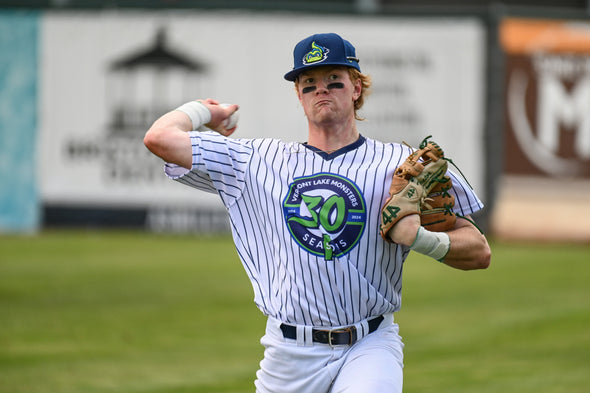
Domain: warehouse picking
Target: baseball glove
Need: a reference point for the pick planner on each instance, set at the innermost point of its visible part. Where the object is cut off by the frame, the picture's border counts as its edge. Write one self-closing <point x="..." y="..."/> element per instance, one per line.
<point x="436" y="211"/>
<point x="419" y="185"/>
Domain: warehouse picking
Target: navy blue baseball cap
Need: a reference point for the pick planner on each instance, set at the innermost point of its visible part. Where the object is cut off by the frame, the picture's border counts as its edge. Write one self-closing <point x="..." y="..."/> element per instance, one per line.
<point x="319" y="50"/>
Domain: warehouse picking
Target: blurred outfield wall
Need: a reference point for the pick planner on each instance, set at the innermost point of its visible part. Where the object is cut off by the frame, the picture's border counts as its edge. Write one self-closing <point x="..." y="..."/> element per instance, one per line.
<point x="86" y="85"/>
<point x="105" y="76"/>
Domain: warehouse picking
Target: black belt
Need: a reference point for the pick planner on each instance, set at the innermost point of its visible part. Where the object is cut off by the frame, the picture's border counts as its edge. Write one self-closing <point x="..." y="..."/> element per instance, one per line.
<point x="342" y="336"/>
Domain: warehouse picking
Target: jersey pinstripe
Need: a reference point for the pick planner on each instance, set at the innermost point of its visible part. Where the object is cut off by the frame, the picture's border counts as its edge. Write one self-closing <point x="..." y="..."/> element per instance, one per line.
<point x="311" y="257"/>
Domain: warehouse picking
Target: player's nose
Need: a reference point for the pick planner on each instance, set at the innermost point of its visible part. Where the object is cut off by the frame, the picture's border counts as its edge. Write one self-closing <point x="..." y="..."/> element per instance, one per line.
<point x="322" y="87"/>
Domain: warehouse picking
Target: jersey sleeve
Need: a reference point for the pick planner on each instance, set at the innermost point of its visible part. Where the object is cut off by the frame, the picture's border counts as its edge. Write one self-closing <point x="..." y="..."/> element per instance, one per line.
<point x="466" y="200"/>
<point x="219" y="165"/>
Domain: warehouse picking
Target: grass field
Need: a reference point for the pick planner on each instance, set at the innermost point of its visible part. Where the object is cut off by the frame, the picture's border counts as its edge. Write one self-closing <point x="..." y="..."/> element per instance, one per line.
<point x="90" y="311"/>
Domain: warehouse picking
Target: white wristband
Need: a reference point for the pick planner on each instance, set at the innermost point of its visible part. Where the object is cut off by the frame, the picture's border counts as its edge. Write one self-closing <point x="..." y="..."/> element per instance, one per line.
<point x="433" y="244"/>
<point x="197" y="112"/>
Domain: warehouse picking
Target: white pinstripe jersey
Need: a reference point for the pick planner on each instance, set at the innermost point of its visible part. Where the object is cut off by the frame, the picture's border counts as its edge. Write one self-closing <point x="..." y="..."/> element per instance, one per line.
<point x="306" y="223"/>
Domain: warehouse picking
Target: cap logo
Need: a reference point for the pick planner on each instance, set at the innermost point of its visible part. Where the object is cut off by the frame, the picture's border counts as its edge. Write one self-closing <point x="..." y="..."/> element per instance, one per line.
<point x="316" y="54"/>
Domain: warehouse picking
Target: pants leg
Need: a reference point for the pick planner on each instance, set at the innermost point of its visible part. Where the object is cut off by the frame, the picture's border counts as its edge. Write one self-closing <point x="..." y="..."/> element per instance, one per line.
<point x="291" y="368"/>
<point x="373" y="365"/>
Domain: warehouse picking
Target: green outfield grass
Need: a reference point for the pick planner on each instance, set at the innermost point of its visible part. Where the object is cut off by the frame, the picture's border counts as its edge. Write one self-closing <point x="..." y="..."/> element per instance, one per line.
<point x="91" y="311"/>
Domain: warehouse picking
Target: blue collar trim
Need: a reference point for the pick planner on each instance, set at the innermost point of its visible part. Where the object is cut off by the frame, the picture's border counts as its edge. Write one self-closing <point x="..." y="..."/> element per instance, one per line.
<point x="343" y="150"/>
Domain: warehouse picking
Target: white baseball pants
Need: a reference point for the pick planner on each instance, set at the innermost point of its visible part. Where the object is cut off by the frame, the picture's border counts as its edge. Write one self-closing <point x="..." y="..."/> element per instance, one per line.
<point x="372" y="364"/>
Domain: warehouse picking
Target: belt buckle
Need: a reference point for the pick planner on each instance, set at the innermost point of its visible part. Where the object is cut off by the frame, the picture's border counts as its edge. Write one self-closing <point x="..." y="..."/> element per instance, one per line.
<point x="351" y="335"/>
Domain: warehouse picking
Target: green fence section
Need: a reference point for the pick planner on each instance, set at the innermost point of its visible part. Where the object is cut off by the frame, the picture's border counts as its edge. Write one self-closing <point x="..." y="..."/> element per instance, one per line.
<point x="19" y="201"/>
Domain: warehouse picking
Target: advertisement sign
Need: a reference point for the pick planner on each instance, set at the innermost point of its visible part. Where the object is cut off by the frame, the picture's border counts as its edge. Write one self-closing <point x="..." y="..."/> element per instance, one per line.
<point x="107" y="76"/>
<point x="547" y="97"/>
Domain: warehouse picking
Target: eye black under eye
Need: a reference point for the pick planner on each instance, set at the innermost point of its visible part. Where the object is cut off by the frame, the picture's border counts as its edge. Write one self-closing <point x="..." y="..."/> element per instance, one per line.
<point x="336" y="85"/>
<point x="308" y="89"/>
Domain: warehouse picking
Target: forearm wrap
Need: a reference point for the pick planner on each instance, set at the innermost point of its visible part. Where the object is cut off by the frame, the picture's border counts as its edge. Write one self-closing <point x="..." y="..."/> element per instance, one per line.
<point x="433" y="244"/>
<point x="197" y="112"/>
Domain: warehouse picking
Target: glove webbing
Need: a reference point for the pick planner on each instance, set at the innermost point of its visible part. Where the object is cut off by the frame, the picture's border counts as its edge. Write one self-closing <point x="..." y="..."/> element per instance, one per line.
<point x="423" y="144"/>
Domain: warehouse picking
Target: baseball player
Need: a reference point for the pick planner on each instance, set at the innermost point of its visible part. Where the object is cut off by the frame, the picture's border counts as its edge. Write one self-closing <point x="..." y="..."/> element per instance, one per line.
<point x="323" y="227"/>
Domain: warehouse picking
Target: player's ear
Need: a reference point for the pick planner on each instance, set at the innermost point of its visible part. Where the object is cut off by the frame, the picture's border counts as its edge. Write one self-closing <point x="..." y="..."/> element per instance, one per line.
<point x="358" y="88"/>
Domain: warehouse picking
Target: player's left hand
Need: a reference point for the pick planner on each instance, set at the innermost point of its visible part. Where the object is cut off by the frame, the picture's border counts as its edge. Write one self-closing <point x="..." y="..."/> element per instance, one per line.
<point x="412" y="185"/>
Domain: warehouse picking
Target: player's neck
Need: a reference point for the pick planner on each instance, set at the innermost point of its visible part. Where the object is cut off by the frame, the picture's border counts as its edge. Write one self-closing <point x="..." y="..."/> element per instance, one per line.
<point x="332" y="138"/>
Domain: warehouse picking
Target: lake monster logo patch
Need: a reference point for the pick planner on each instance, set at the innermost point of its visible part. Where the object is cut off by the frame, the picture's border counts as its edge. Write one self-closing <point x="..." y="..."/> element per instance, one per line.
<point x="316" y="54"/>
<point x="326" y="214"/>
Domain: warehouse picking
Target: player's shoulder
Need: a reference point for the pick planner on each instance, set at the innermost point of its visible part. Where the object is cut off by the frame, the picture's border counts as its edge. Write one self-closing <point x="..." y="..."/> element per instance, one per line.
<point x="271" y="147"/>
<point x="271" y="143"/>
<point x="393" y="148"/>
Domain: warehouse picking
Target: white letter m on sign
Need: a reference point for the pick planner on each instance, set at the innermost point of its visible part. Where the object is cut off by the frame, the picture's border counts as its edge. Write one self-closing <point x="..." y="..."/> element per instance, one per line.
<point x="556" y="106"/>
